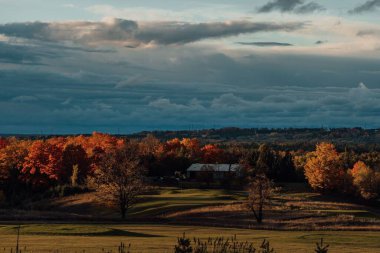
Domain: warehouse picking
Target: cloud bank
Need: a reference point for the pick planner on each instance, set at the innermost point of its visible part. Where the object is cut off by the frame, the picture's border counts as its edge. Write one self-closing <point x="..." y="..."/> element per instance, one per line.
<point x="133" y="34"/>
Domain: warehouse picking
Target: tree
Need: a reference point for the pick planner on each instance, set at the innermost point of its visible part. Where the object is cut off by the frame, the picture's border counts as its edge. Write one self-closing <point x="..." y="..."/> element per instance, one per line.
<point x="3" y="143"/>
<point x="43" y="165"/>
<point x="11" y="162"/>
<point x="365" y="180"/>
<point x="174" y="155"/>
<point x="148" y="149"/>
<point x="119" y="177"/>
<point x="75" y="155"/>
<point x="260" y="191"/>
<point x="323" y="169"/>
<point x="212" y="154"/>
<point x="262" y="161"/>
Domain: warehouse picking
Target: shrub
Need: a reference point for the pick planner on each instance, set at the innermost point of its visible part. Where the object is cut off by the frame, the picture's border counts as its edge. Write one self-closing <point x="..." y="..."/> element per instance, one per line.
<point x="321" y="248"/>
<point x="183" y="245"/>
<point x="218" y="245"/>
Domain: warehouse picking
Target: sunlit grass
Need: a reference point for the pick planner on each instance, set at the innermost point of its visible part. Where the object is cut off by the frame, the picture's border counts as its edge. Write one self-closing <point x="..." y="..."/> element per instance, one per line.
<point x="161" y="238"/>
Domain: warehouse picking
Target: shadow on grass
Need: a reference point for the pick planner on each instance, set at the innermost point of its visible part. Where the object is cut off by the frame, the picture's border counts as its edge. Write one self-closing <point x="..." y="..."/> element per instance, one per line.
<point x="110" y="232"/>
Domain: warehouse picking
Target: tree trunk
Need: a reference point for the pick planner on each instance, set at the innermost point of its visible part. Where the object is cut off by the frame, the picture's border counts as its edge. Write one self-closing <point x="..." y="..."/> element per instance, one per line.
<point x="123" y="214"/>
<point x="260" y="216"/>
<point x="123" y="211"/>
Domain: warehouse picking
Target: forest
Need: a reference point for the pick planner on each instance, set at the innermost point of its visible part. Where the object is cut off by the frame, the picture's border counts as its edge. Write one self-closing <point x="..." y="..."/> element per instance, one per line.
<point x="48" y="167"/>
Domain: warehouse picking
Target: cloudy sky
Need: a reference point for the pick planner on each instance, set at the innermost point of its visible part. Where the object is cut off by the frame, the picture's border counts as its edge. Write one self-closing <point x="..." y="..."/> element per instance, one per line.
<point x="126" y="66"/>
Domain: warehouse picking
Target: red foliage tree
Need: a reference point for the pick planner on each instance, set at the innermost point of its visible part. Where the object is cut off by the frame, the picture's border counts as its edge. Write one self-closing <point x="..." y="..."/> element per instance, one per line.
<point x="3" y="142"/>
<point x="43" y="165"/>
<point x="212" y="154"/>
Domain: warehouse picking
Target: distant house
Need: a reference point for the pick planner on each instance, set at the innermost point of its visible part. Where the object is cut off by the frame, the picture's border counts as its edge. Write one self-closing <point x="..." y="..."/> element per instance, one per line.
<point x="218" y="171"/>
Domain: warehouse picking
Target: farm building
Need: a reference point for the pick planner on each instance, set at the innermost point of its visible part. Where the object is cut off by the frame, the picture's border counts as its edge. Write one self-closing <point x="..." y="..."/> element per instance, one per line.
<point x="219" y="171"/>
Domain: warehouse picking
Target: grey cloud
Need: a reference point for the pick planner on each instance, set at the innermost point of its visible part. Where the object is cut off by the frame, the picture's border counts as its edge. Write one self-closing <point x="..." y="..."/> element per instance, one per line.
<point x="368" y="6"/>
<point x="178" y="33"/>
<point x="132" y="34"/>
<point x="295" y="6"/>
<point x="187" y="86"/>
<point x="309" y="8"/>
<point x="18" y="54"/>
<point x="266" y="44"/>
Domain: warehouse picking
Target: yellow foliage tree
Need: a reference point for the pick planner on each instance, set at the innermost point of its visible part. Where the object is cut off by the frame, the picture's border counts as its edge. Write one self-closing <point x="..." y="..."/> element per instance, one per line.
<point x="323" y="169"/>
<point x="365" y="180"/>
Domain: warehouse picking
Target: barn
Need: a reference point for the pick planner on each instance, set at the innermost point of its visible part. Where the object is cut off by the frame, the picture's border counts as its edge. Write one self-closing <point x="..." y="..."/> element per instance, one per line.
<point x="219" y="171"/>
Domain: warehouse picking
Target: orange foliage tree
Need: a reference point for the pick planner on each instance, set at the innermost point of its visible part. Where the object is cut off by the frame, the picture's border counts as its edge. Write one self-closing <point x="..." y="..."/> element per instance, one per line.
<point x="43" y="164"/>
<point x="365" y="180"/>
<point x="12" y="158"/>
<point x="11" y="161"/>
<point x="323" y="169"/>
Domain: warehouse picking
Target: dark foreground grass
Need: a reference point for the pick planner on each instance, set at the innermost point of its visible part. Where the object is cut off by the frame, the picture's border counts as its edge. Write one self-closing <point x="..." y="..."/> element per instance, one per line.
<point x="162" y="238"/>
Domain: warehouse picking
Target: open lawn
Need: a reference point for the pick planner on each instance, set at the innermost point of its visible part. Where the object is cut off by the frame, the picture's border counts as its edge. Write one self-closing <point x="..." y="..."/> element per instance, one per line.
<point x="161" y="238"/>
<point x="293" y="208"/>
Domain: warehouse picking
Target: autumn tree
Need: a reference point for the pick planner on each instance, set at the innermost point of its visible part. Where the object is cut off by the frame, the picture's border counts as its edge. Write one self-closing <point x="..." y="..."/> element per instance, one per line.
<point x="365" y="180"/>
<point x="119" y="177"/>
<point x="212" y="154"/>
<point x="323" y="169"/>
<point x="175" y="155"/>
<point x="43" y="164"/>
<point x="3" y="142"/>
<point x="260" y="190"/>
<point x="75" y="156"/>
<point x="12" y="158"/>
<point x="149" y="148"/>
<point x="260" y="161"/>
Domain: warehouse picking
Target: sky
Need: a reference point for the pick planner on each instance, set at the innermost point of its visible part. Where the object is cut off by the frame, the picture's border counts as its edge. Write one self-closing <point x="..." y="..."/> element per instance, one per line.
<point x="123" y="66"/>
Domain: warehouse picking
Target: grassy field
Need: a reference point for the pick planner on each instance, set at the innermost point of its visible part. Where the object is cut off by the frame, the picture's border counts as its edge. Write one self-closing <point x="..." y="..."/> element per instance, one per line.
<point x="161" y="238"/>
<point x="292" y="209"/>
<point x="156" y="203"/>
<point x="202" y="213"/>
<point x="169" y="200"/>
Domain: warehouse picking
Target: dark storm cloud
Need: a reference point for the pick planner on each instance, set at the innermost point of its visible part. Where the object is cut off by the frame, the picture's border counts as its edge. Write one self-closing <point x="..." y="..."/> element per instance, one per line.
<point x="132" y="34"/>
<point x="368" y="6"/>
<point x="13" y="54"/>
<point x="173" y="33"/>
<point x="99" y="93"/>
<point x="296" y="6"/>
<point x="265" y="44"/>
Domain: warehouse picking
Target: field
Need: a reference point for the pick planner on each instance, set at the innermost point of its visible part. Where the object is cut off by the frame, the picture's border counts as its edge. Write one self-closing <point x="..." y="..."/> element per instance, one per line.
<point x="296" y="220"/>
<point x="294" y="208"/>
<point x="161" y="238"/>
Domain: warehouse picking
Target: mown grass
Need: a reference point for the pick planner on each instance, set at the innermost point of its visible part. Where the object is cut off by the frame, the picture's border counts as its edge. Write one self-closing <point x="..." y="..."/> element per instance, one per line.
<point x="161" y="238"/>
<point x="175" y="199"/>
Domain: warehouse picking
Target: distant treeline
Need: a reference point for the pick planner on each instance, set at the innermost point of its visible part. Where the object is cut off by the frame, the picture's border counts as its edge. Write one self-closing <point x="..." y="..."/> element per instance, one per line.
<point x="31" y="166"/>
